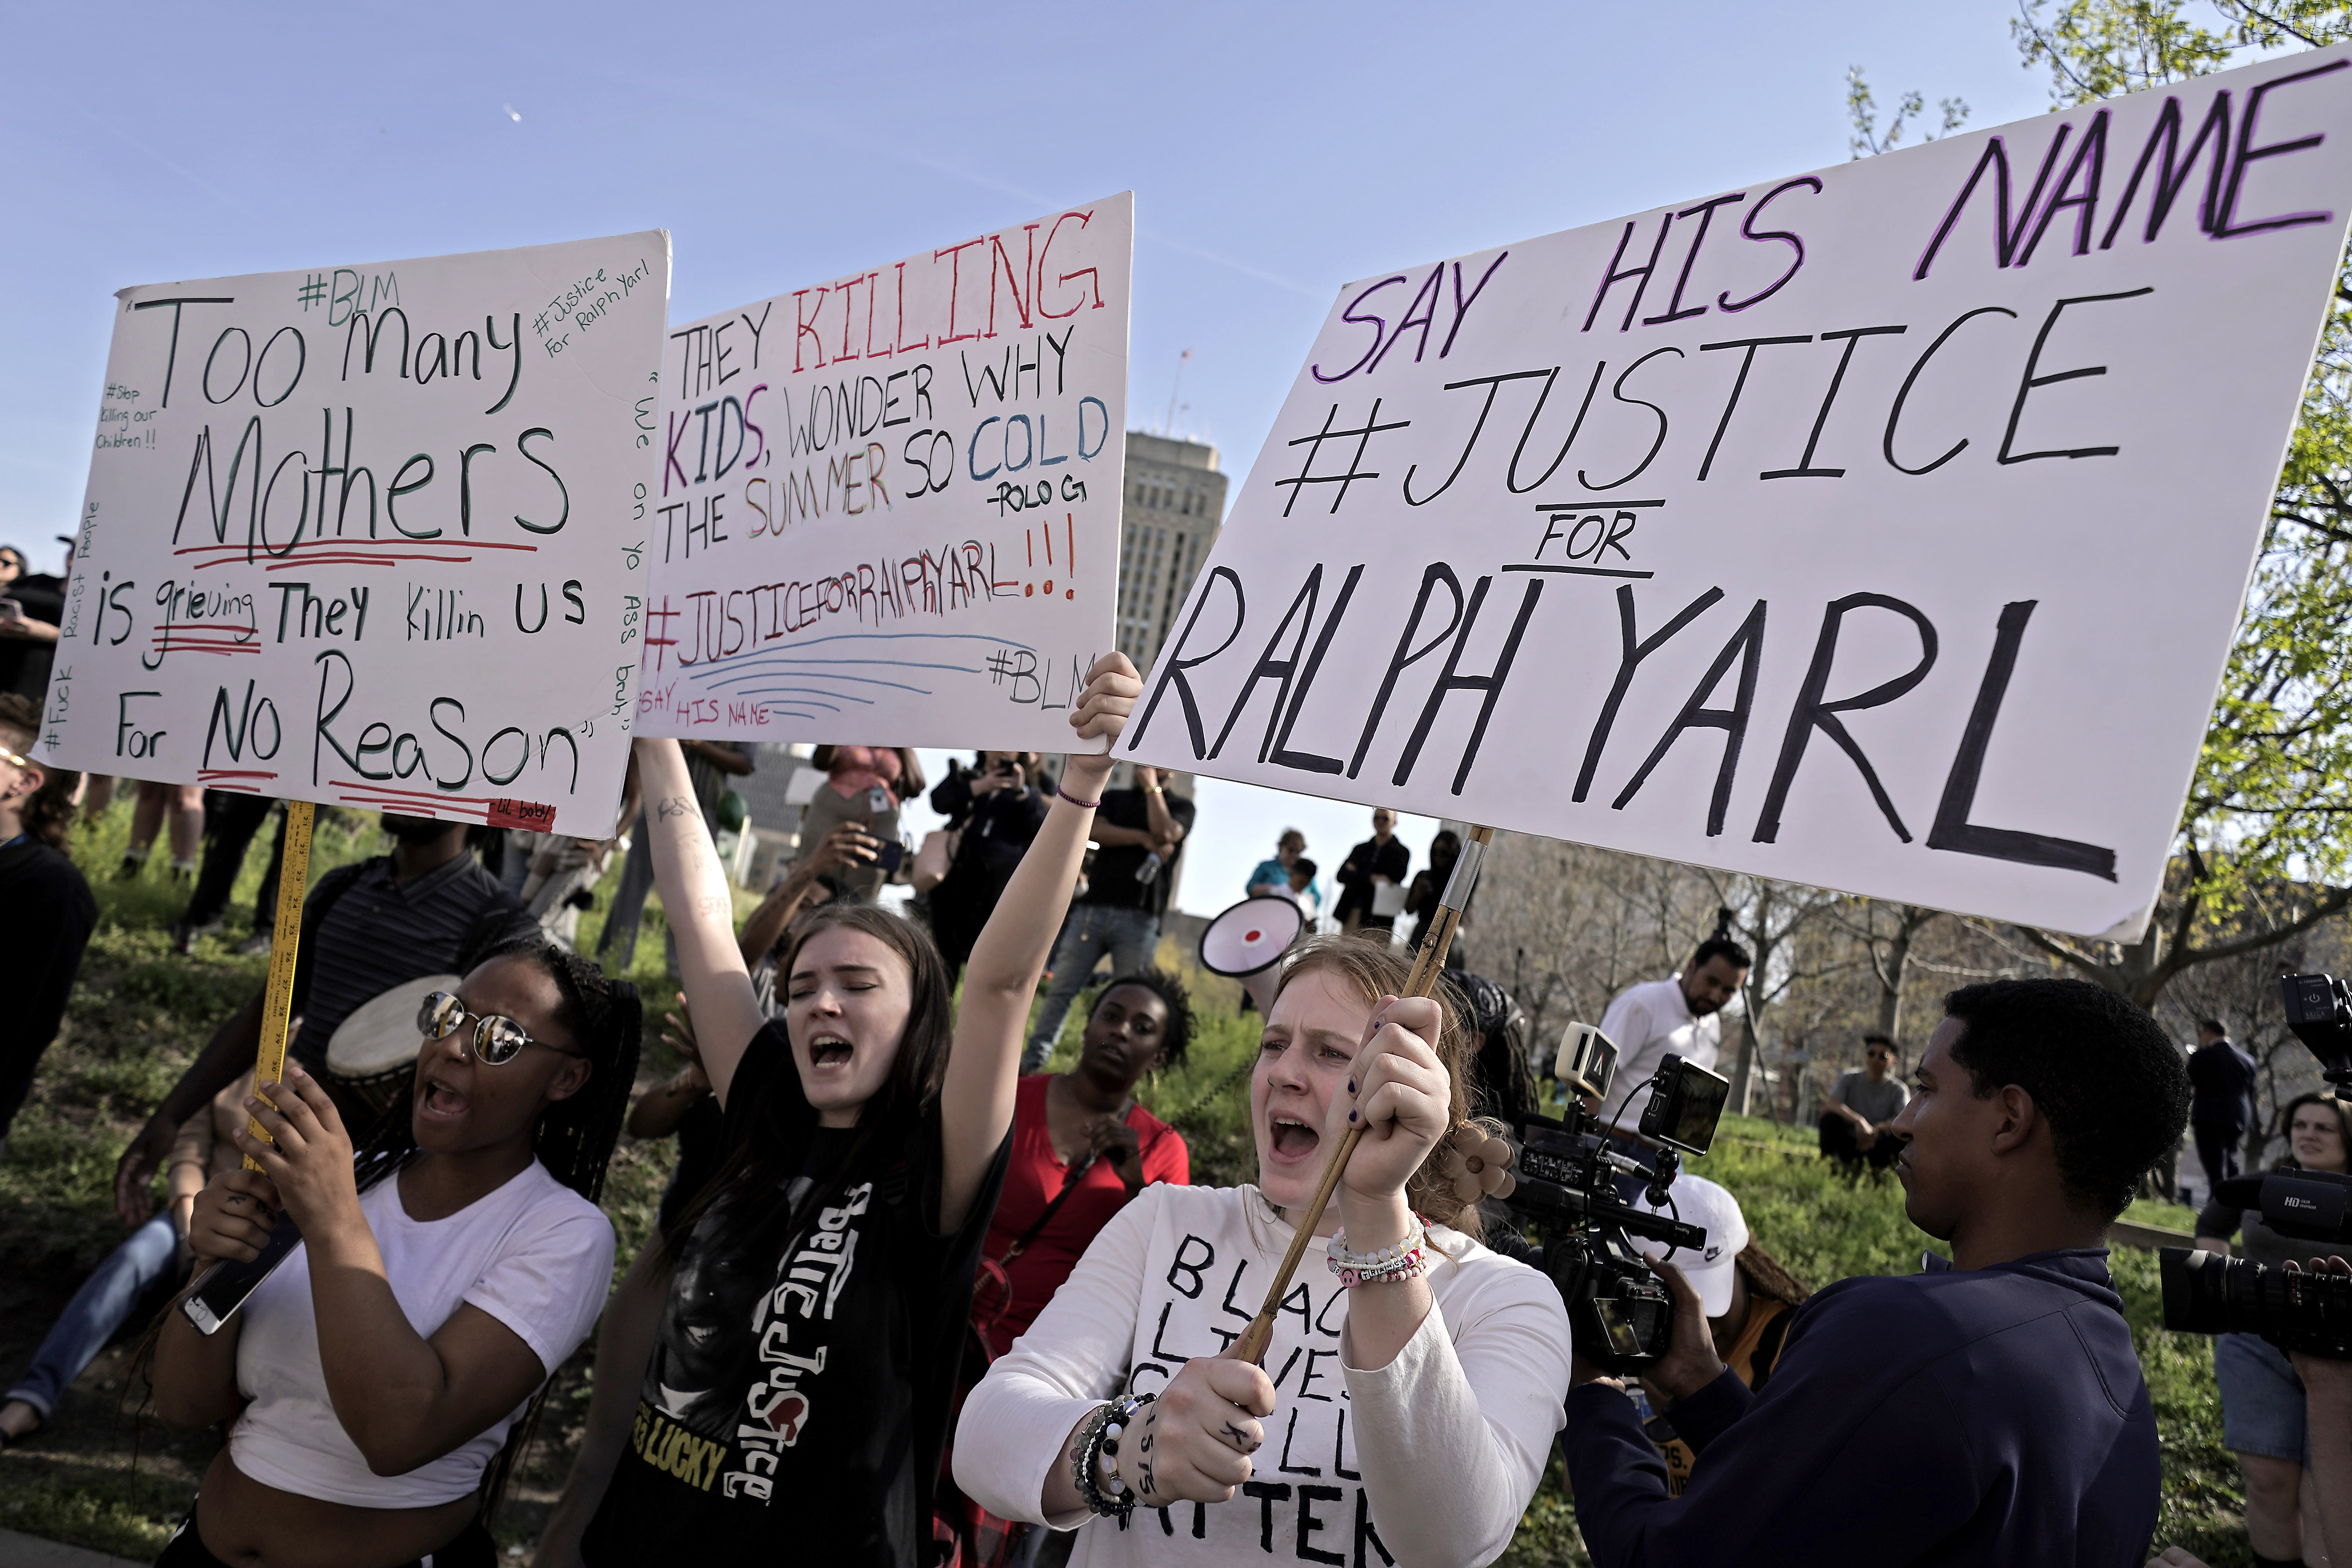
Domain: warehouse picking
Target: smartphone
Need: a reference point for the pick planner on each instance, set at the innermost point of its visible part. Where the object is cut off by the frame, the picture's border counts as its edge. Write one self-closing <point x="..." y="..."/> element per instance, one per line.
<point x="890" y="857"/>
<point x="11" y="610"/>
<point x="226" y="1288"/>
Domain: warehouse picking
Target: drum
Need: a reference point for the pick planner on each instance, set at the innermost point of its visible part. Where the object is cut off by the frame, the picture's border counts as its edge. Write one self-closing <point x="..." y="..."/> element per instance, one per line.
<point x="372" y="1055"/>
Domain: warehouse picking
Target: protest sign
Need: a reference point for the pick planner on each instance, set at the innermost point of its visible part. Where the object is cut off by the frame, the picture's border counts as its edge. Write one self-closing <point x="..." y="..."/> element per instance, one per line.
<point x="373" y="534"/>
<point x="888" y="504"/>
<point x="1882" y="528"/>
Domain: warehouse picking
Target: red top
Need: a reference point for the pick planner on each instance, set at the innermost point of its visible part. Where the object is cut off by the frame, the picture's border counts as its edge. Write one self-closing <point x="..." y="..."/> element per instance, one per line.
<point x="1031" y="1181"/>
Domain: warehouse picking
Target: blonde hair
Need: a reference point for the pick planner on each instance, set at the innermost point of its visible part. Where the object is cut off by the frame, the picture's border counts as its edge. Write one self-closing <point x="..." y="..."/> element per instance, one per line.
<point x="1374" y="970"/>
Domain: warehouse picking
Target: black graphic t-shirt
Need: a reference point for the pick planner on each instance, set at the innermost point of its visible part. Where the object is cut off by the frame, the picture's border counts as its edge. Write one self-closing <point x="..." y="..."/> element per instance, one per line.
<point x="798" y="1394"/>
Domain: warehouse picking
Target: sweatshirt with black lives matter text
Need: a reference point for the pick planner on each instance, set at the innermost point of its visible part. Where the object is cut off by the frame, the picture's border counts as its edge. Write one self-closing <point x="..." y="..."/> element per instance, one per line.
<point x="1429" y="1461"/>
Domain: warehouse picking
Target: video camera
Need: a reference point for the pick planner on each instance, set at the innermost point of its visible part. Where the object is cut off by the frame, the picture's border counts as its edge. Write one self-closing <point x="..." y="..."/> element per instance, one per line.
<point x="1619" y="1313"/>
<point x="2206" y="1293"/>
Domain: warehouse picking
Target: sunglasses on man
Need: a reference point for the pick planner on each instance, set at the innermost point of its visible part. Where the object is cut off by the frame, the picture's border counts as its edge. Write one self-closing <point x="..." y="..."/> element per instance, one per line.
<point x="496" y="1040"/>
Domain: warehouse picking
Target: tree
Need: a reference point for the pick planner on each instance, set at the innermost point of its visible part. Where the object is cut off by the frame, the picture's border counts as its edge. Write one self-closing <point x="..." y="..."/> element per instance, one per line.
<point x="2264" y="847"/>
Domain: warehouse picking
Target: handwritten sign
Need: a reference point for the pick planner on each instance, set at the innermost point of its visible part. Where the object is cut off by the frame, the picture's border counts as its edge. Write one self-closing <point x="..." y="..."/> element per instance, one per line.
<point x="1882" y="528"/>
<point x="374" y="534"/>
<point x="889" y="503"/>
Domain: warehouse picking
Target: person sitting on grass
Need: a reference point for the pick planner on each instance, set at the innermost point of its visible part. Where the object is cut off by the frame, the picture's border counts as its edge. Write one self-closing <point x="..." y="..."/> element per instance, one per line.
<point x="47" y="912"/>
<point x="1858" y="1112"/>
<point x="444" y="1272"/>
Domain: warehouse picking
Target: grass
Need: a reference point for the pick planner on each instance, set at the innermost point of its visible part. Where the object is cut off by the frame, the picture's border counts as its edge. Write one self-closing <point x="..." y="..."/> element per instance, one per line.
<point x="99" y="1478"/>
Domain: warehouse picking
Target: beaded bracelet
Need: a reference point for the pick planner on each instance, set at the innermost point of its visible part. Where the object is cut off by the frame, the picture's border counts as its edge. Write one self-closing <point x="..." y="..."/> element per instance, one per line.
<point x="1394" y="1264"/>
<point x="1105" y="1493"/>
<point x="1073" y="800"/>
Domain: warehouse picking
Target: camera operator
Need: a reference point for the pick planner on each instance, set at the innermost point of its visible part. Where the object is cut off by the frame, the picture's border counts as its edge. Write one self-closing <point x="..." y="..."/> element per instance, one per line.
<point x="1677" y="1014"/>
<point x="1978" y="1412"/>
<point x="2262" y="1417"/>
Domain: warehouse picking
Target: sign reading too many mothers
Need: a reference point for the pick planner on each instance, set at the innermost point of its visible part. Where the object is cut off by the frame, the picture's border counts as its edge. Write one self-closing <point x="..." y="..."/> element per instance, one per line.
<point x="370" y="535"/>
<point x="888" y="504"/>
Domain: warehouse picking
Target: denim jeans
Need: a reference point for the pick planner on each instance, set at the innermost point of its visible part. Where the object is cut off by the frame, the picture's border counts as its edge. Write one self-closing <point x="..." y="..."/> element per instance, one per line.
<point x="1128" y="937"/>
<point x="98" y="1309"/>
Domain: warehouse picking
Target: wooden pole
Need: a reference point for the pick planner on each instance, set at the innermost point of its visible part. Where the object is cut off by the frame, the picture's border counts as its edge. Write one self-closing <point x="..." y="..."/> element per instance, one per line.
<point x="285" y="942"/>
<point x="1428" y="963"/>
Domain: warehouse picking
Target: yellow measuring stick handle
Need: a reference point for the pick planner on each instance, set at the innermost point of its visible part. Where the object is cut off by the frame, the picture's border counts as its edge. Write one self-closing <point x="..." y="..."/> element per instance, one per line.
<point x="277" y="1001"/>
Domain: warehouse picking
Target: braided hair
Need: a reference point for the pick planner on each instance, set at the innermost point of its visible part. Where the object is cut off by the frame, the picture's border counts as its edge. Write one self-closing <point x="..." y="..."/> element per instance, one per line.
<point x="575" y="1136"/>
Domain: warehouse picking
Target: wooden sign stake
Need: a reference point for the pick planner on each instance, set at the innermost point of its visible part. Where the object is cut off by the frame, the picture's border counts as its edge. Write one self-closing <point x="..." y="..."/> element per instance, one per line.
<point x="278" y="1000"/>
<point x="1428" y="963"/>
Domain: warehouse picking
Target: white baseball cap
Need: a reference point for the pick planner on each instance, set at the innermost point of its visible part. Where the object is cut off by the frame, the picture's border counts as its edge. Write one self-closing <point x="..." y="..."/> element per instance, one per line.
<point x="1697" y="1201"/>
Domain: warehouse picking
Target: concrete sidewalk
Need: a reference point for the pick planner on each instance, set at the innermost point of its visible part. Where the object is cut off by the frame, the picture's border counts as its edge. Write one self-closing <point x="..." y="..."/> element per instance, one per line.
<point x="32" y="1551"/>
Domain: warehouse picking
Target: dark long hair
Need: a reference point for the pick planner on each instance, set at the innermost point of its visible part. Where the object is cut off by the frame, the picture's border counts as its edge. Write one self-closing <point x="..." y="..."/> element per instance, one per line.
<point x="763" y="1165"/>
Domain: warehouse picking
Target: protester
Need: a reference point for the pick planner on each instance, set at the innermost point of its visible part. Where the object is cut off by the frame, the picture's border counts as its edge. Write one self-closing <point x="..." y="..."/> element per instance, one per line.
<point x="444" y="1274"/>
<point x="231" y="819"/>
<point x="1449" y="1360"/>
<point x="866" y="1141"/>
<point x="813" y="880"/>
<point x="709" y="765"/>
<point x="1271" y="878"/>
<point x="32" y="606"/>
<point x="1302" y="888"/>
<point x="862" y="786"/>
<point x="1141" y="831"/>
<point x="1857" y="1109"/>
<point x="179" y="808"/>
<point x="2262" y="1399"/>
<point x="1503" y="1083"/>
<point x="1379" y="862"/>
<point x="45" y="908"/>
<point x="1747" y="1297"/>
<point x="993" y="809"/>
<point x="1677" y="1014"/>
<point x="1082" y="1150"/>
<point x="2223" y="1076"/>
<point x="156" y="1250"/>
<point x="1978" y="1412"/>
<point x="1428" y="890"/>
<point x="366" y="928"/>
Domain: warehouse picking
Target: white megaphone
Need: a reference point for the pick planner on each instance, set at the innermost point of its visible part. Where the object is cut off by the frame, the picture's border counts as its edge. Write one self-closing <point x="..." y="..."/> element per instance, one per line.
<point x="1247" y="941"/>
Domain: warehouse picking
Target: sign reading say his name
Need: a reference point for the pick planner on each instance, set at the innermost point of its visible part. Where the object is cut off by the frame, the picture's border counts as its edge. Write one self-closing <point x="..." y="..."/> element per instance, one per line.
<point x="889" y="506"/>
<point x="1882" y="528"/>
<point x="375" y="535"/>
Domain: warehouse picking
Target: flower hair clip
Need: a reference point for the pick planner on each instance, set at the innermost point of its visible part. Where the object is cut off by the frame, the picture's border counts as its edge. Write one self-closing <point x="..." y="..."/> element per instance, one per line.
<point x="1477" y="1163"/>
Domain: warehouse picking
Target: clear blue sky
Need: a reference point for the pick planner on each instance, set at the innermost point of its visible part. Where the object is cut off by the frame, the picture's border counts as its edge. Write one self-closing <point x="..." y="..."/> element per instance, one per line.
<point x="1274" y="150"/>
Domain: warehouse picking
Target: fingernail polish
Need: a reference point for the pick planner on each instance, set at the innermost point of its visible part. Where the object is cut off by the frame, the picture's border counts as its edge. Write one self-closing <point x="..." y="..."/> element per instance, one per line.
<point x="1352" y="1086"/>
<point x="1352" y="1116"/>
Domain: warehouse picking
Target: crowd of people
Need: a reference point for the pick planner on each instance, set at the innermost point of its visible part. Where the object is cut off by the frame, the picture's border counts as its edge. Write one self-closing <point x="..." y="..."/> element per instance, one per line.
<point x="910" y="1299"/>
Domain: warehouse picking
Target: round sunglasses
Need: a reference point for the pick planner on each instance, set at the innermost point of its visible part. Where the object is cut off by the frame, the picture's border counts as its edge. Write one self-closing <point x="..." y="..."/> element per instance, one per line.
<point x="496" y="1042"/>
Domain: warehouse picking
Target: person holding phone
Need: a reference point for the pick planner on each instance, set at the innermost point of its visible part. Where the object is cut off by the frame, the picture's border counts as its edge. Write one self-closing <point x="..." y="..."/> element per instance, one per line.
<point x="445" y="1272"/>
<point x="994" y="809"/>
<point x="862" y="786"/>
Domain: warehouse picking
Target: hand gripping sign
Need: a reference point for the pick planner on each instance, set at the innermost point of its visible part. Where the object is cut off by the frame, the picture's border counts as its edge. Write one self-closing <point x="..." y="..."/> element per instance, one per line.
<point x="1882" y="528"/>
<point x="889" y="503"/>
<point x="374" y="534"/>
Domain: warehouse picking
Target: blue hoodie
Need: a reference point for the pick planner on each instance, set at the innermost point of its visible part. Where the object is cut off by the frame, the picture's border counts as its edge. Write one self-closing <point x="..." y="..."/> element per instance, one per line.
<point x="1992" y="1415"/>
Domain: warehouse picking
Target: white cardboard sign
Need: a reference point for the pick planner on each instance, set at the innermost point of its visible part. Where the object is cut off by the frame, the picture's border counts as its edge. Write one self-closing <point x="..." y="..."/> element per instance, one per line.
<point x="371" y="534"/>
<point x="889" y="503"/>
<point x="1883" y="528"/>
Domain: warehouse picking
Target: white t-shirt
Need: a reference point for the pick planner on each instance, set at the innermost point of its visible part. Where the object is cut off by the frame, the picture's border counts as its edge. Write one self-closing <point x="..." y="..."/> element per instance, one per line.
<point x="534" y="1255"/>
<point x="1646" y="1023"/>
<point x="1429" y="1461"/>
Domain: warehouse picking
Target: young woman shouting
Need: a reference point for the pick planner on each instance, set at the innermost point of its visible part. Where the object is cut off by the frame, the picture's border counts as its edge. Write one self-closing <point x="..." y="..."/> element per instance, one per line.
<point x="444" y="1273"/>
<point x="1408" y="1402"/>
<point x="795" y="1399"/>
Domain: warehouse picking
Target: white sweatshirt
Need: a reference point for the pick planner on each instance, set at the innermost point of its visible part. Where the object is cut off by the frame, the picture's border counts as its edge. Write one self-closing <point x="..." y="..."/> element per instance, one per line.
<point x="1430" y="1460"/>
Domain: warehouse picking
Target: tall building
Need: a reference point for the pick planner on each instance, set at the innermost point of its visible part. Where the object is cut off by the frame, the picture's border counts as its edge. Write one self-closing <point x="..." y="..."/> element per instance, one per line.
<point x="1175" y="501"/>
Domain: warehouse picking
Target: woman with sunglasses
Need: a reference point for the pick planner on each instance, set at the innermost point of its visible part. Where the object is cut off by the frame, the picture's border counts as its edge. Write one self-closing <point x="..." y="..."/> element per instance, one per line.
<point x="794" y="1394"/>
<point x="446" y="1270"/>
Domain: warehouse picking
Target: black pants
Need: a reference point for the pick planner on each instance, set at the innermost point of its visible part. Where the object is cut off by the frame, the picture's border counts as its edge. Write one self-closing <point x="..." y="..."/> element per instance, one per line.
<point x="2218" y="1149"/>
<point x="1842" y="1143"/>
<point x="231" y="819"/>
<point x="472" y="1548"/>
